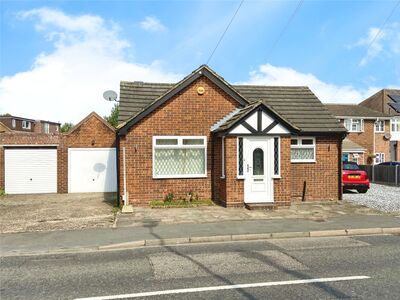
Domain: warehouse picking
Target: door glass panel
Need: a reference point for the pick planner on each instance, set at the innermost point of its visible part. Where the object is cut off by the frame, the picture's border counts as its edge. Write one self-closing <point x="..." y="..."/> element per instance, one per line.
<point x="258" y="162"/>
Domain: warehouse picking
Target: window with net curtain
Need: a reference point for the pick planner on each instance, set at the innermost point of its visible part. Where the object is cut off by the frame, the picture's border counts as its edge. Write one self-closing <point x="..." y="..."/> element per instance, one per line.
<point x="302" y="149"/>
<point x="176" y="157"/>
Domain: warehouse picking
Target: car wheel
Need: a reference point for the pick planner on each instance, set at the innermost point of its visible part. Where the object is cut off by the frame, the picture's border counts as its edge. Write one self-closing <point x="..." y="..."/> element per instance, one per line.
<point x="362" y="190"/>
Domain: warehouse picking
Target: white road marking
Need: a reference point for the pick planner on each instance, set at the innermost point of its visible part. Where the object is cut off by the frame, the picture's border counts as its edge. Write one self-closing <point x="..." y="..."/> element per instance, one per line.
<point x="225" y="287"/>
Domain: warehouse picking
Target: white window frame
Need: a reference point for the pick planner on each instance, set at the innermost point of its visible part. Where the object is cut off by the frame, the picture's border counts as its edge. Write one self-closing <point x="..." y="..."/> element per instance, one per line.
<point x="179" y="146"/>
<point x="13" y="123"/>
<point x="300" y="146"/>
<point x="26" y="124"/>
<point x="379" y="157"/>
<point x="352" y="122"/>
<point x="379" y="128"/>
<point x="395" y="122"/>
<point x="277" y="176"/>
<point x="46" y="127"/>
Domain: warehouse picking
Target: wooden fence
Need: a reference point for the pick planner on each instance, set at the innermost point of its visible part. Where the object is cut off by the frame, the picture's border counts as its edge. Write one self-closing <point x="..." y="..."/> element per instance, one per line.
<point x="383" y="174"/>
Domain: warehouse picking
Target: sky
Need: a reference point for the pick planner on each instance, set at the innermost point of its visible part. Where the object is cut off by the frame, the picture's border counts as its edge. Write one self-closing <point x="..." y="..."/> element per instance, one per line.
<point x="58" y="57"/>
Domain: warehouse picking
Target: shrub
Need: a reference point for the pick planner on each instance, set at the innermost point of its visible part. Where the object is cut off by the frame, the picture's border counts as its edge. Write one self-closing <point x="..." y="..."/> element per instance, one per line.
<point x="169" y="197"/>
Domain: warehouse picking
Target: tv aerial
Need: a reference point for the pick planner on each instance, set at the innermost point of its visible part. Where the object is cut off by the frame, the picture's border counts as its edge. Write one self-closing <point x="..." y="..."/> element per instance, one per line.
<point x="110" y="96"/>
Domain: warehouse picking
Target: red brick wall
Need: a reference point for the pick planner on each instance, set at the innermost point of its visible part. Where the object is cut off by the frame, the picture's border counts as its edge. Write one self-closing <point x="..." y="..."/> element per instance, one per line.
<point x="234" y="187"/>
<point x="321" y="177"/>
<point x="282" y="186"/>
<point x="185" y="114"/>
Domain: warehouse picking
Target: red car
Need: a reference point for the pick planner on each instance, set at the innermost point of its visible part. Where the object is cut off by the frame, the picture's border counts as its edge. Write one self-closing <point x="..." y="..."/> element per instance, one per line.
<point x="354" y="178"/>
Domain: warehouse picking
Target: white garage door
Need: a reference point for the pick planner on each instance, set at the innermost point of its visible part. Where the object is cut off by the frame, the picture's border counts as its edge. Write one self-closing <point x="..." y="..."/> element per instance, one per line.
<point x="92" y="170"/>
<point x="29" y="171"/>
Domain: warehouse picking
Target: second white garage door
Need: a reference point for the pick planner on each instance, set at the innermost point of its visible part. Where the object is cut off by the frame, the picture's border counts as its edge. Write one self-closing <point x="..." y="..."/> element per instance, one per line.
<point x="92" y="170"/>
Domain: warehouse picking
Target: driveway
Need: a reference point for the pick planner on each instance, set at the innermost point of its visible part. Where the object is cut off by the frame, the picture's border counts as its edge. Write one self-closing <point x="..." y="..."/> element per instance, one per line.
<point x="47" y="212"/>
<point x="381" y="197"/>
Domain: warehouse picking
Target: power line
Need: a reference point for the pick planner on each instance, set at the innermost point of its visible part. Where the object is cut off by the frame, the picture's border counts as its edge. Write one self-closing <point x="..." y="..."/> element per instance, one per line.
<point x="383" y="25"/>
<point x="226" y="29"/>
<point x="284" y="29"/>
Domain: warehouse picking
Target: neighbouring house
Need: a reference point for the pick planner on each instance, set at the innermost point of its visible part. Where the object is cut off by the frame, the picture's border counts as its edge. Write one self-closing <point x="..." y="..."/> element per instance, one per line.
<point x="236" y="144"/>
<point x="19" y="124"/>
<point x="82" y="160"/>
<point x="388" y="101"/>
<point x="368" y="139"/>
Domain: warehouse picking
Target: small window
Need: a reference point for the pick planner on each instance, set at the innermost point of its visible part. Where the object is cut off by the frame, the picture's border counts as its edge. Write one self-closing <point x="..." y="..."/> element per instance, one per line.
<point x="13" y="123"/>
<point x="395" y="125"/>
<point x="303" y="150"/>
<point x="26" y="124"/>
<point x="193" y="141"/>
<point x="57" y="128"/>
<point x="240" y="157"/>
<point x="379" y="158"/>
<point x="258" y="162"/>
<point x="380" y="126"/>
<point x="172" y="158"/>
<point x="354" y="125"/>
<point x="46" y="127"/>
<point x="166" y="142"/>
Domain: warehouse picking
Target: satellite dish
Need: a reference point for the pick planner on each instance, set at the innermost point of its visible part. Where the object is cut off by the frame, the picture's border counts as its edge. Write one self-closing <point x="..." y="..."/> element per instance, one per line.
<point x="387" y="136"/>
<point x="110" y="95"/>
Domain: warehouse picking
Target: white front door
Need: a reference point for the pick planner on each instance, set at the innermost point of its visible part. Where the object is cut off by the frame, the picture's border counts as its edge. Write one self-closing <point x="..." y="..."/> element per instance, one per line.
<point x="92" y="170"/>
<point x="258" y="162"/>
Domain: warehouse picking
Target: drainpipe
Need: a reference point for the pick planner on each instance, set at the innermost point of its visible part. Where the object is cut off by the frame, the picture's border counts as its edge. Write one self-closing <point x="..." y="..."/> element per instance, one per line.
<point x="125" y="197"/>
<point x="374" y="159"/>
<point x="118" y="167"/>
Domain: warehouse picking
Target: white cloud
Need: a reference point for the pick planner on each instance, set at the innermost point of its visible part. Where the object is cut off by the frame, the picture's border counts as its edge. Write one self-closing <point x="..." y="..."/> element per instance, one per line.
<point x="152" y="24"/>
<point x="380" y="42"/>
<point x="67" y="83"/>
<point x="271" y="75"/>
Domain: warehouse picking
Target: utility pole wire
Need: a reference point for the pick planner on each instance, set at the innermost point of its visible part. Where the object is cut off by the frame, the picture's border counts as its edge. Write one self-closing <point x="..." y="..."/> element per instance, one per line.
<point x="226" y="29"/>
<point x="383" y="26"/>
<point x="284" y="29"/>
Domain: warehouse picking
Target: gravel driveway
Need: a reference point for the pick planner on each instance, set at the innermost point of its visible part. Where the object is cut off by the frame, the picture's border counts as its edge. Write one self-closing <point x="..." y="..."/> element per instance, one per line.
<point x="381" y="197"/>
<point x="47" y="212"/>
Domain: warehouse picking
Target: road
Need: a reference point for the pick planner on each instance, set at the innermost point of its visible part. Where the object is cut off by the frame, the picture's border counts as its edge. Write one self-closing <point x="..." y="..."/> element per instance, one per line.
<point x="364" y="267"/>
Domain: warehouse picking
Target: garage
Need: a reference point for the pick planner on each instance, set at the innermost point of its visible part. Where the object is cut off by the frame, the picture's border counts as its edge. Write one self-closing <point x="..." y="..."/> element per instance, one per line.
<point x="30" y="170"/>
<point x="92" y="170"/>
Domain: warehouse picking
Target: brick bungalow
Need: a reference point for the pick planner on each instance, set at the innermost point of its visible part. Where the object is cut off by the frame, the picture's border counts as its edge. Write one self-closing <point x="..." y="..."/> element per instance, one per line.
<point x="236" y="144"/>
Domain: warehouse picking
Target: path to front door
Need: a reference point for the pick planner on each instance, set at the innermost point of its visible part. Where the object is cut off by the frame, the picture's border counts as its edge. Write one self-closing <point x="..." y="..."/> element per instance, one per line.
<point x="258" y="169"/>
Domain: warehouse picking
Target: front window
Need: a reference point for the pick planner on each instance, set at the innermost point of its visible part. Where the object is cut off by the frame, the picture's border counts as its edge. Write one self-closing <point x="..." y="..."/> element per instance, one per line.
<point x="179" y="157"/>
<point x="46" y="127"/>
<point x="379" y="158"/>
<point x="395" y="125"/>
<point x="354" y="125"/>
<point x="380" y="126"/>
<point x="13" y="123"/>
<point x="26" y="124"/>
<point x="302" y="149"/>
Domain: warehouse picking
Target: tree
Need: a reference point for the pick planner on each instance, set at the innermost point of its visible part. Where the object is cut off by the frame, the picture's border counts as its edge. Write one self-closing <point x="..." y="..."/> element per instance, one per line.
<point x="66" y="127"/>
<point x="113" y="117"/>
<point x="5" y="115"/>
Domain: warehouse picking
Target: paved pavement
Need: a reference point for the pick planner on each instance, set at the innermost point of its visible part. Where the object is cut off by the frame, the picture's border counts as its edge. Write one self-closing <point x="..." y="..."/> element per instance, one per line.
<point x="308" y="210"/>
<point x="46" y="212"/>
<point x="380" y="197"/>
<point x="366" y="267"/>
<point x="91" y="239"/>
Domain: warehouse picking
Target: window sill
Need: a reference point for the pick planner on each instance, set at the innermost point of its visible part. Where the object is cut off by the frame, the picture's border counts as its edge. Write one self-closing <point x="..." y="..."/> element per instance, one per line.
<point x="276" y="177"/>
<point x="303" y="161"/>
<point x="240" y="177"/>
<point x="180" y="177"/>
